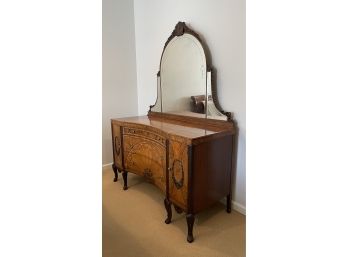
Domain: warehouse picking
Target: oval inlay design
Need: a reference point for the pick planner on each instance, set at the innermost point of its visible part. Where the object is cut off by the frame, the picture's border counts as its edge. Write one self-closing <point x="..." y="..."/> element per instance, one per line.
<point x="177" y="168"/>
<point x="117" y="145"/>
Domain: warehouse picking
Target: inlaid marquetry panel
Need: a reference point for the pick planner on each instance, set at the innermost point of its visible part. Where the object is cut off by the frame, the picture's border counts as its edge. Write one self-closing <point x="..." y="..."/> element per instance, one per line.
<point x="178" y="172"/>
<point x="117" y="147"/>
<point x="148" y="135"/>
<point x="144" y="154"/>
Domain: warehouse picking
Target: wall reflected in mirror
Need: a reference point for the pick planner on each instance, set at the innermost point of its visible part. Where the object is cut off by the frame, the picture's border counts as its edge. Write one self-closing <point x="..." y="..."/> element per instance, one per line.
<point x="182" y="75"/>
<point x="158" y="105"/>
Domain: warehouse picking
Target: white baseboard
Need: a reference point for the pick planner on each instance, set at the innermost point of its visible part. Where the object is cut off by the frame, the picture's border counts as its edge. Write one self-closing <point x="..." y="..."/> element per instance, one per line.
<point x="235" y="206"/>
<point x="238" y="207"/>
<point x="107" y="166"/>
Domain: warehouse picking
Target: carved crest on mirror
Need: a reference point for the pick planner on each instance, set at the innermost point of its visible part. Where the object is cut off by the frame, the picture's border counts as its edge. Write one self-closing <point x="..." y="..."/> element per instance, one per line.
<point x="186" y="81"/>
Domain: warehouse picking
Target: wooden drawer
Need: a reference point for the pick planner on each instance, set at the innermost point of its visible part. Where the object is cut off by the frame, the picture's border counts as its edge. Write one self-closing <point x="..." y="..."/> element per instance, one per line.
<point x="178" y="172"/>
<point x="149" y="135"/>
<point x="145" y="155"/>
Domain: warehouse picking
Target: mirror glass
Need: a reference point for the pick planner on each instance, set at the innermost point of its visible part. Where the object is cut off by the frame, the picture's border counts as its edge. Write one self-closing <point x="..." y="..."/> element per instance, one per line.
<point x="184" y="86"/>
<point x="182" y="75"/>
<point x="158" y="105"/>
<point x="211" y="110"/>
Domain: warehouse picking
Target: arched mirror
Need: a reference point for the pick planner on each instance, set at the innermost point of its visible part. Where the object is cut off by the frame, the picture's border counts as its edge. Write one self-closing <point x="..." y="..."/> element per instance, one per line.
<point x="185" y="79"/>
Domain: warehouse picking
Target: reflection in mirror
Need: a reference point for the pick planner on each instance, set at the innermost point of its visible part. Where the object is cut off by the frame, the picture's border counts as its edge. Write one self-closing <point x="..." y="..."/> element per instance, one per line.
<point x="212" y="111"/>
<point x="183" y="74"/>
<point x="157" y="107"/>
<point x="184" y="86"/>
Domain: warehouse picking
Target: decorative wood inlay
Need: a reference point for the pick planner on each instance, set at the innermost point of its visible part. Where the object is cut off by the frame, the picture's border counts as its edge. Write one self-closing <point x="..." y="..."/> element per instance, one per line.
<point x="178" y="172"/>
<point x="145" y="156"/>
<point x="117" y="145"/>
<point x="176" y="169"/>
<point x="146" y="134"/>
<point x="188" y="161"/>
<point x="148" y="175"/>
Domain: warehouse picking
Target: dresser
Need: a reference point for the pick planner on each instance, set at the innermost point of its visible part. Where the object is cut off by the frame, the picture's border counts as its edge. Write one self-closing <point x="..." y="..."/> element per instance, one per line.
<point x="187" y="154"/>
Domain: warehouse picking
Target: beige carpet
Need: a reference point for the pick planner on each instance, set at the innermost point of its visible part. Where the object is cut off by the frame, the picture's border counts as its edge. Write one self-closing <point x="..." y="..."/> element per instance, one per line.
<point x="133" y="225"/>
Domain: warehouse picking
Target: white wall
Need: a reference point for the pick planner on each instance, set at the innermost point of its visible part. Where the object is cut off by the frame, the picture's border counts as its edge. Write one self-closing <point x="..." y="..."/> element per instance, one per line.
<point x="222" y="25"/>
<point x="119" y="67"/>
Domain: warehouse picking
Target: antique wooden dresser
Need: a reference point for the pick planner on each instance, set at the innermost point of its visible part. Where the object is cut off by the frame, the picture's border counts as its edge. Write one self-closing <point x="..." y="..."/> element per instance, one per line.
<point x="187" y="154"/>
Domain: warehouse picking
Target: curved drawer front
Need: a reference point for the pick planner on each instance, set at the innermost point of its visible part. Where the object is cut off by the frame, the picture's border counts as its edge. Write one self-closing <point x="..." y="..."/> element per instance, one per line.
<point x="144" y="154"/>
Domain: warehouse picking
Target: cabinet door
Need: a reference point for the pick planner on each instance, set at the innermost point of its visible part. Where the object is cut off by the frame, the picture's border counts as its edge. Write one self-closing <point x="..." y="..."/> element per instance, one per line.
<point x="178" y="172"/>
<point x="117" y="147"/>
<point x="144" y="154"/>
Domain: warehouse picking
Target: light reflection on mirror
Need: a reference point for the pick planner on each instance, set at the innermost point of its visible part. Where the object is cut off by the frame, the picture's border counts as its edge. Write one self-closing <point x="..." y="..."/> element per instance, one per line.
<point x="211" y="110"/>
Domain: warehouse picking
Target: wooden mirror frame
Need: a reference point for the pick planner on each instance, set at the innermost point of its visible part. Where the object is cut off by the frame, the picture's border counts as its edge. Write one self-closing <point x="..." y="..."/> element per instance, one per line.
<point x="179" y="30"/>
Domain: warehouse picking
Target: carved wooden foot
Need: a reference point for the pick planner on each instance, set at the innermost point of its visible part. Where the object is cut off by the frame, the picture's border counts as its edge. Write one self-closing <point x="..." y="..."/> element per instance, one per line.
<point x="124" y="175"/>
<point x="228" y="203"/>
<point x="190" y="219"/>
<point x="114" y="168"/>
<point x="168" y="206"/>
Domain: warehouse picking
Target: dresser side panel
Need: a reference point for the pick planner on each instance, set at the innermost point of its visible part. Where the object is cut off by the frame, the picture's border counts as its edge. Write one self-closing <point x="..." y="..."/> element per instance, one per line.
<point x="211" y="175"/>
<point x="117" y="145"/>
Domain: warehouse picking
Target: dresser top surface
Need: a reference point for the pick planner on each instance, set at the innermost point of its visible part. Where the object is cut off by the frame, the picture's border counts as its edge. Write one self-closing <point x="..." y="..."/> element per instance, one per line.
<point x="176" y="128"/>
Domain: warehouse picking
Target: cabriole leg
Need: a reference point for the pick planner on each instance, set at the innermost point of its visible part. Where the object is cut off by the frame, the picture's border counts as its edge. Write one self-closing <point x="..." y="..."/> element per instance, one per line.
<point x="168" y="206"/>
<point x="114" y="168"/>
<point x="190" y="219"/>
<point x="124" y="175"/>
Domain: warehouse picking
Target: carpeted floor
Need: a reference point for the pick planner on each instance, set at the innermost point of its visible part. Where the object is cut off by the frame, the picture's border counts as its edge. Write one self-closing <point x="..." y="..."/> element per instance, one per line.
<point x="133" y="225"/>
